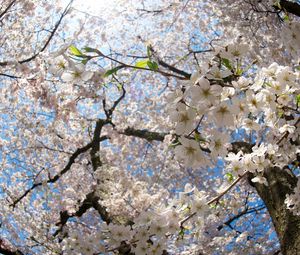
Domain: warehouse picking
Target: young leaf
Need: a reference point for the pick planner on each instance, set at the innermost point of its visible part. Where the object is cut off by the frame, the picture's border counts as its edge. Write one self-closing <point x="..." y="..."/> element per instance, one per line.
<point x="197" y="136"/>
<point x="286" y="18"/>
<point x="226" y="63"/>
<point x="229" y="177"/>
<point x="152" y="65"/>
<point x="142" y="63"/>
<point x="298" y="100"/>
<point x="88" y="49"/>
<point x="277" y="4"/>
<point x="148" y="52"/>
<point x="112" y="71"/>
<point x="239" y="71"/>
<point x="119" y="86"/>
<point x="84" y="61"/>
<point x="76" y="52"/>
<point x="267" y="84"/>
<point x="181" y="233"/>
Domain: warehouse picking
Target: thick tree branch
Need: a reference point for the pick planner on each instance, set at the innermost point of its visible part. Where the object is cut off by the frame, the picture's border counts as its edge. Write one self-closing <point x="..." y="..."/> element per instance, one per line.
<point x="291" y="7"/>
<point x="281" y="182"/>
<point x="144" y="134"/>
<point x="91" y="201"/>
<point x="95" y="144"/>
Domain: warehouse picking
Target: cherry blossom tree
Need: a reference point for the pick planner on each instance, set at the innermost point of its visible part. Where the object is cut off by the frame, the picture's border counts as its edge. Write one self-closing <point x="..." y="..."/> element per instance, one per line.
<point x="150" y="127"/>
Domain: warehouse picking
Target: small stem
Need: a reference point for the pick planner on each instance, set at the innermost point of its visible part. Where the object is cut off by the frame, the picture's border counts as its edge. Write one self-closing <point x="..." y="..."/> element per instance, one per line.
<point x="217" y="198"/>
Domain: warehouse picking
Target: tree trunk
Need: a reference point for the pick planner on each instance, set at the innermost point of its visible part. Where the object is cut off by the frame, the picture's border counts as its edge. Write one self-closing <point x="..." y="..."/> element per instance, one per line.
<point x="281" y="182"/>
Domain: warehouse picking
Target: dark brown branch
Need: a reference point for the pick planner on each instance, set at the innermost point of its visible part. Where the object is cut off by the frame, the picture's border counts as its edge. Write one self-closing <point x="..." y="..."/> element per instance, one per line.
<point x="155" y="12"/>
<point x="281" y="182"/>
<point x="291" y="7"/>
<point x="160" y="136"/>
<point x="65" y="12"/>
<point x="5" y="250"/>
<point x="109" y="112"/>
<point x="57" y="176"/>
<point x="151" y="11"/>
<point x="240" y="214"/>
<point x="91" y="201"/>
<point x="174" y="69"/>
<point x="124" y="65"/>
<point x="144" y="134"/>
<point x="10" y="76"/>
<point x="170" y="67"/>
<point x="7" y="8"/>
<point x="95" y="144"/>
<point x="241" y="146"/>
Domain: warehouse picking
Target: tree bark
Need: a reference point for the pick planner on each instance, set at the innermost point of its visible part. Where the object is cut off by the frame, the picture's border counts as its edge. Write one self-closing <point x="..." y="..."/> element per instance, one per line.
<point x="280" y="183"/>
<point x="291" y="7"/>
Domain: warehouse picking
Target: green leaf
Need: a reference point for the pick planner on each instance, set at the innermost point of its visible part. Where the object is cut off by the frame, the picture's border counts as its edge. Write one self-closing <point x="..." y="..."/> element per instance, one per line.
<point x="119" y="86"/>
<point x="88" y="49"/>
<point x="84" y="61"/>
<point x="229" y="177"/>
<point x="148" y="52"/>
<point x="197" y="137"/>
<point x="214" y="206"/>
<point x="76" y="52"/>
<point x="268" y="84"/>
<point x="152" y="65"/>
<point x="181" y="233"/>
<point x="250" y="65"/>
<point x="239" y="71"/>
<point x="112" y="71"/>
<point x="286" y="18"/>
<point x="226" y="63"/>
<point x="298" y="100"/>
<point x="142" y="63"/>
<point x="280" y="113"/>
<point x="173" y="145"/>
<point x="277" y="4"/>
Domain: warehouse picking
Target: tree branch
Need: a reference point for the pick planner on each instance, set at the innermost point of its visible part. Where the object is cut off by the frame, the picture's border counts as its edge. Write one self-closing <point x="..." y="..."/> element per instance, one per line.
<point x="57" y="176"/>
<point x="65" y="12"/>
<point x="91" y="201"/>
<point x="281" y="182"/>
<point x="240" y="214"/>
<point x="215" y="199"/>
<point x="5" y="250"/>
<point x="291" y="7"/>
<point x="144" y="134"/>
<point x="170" y="67"/>
<point x="7" y="8"/>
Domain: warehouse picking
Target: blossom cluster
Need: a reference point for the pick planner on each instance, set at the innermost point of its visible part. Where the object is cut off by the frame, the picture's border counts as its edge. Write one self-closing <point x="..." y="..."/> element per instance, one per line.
<point x="237" y="113"/>
<point x="151" y="230"/>
<point x="206" y="105"/>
